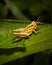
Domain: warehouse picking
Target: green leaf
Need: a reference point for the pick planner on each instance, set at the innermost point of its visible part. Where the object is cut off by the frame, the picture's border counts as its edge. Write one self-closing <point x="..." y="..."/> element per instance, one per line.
<point x="11" y="50"/>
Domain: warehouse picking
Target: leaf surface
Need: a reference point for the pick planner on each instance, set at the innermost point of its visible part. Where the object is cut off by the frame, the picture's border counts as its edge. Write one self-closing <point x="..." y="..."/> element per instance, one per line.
<point x="11" y="50"/>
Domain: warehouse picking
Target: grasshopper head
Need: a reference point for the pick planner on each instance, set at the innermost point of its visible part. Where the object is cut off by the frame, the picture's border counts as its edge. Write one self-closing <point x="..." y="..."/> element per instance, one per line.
<point x="34" y="23"/>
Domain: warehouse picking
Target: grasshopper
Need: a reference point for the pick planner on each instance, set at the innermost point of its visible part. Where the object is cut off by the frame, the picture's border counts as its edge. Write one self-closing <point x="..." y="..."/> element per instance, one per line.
<point x="25" y="32"/>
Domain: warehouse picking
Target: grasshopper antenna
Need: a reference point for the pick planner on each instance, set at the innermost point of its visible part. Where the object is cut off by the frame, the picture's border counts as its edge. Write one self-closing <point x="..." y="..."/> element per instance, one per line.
<point x="38" y="19"/>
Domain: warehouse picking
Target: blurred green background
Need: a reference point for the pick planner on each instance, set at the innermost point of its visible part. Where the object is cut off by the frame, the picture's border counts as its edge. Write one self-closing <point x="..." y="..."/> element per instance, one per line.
<point x="25" y="10"/>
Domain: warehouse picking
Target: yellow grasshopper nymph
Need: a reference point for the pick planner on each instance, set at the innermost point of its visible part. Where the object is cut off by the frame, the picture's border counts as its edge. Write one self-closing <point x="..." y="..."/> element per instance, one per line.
<point x="25" y="32"/>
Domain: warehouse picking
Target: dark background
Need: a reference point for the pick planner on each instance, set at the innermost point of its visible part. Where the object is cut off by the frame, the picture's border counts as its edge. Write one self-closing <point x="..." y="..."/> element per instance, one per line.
<point x="32" y="9"/>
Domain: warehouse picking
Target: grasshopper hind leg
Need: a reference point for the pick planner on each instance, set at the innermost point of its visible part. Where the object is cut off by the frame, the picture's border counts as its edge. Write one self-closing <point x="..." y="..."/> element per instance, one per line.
<point x="17" y="39"/>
